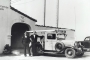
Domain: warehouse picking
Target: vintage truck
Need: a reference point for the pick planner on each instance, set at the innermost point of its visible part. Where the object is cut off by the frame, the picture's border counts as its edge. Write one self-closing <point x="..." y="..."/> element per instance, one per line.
<point x="55" y="41"/>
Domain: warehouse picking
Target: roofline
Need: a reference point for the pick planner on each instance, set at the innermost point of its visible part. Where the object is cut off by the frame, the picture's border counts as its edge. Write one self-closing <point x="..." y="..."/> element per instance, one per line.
<point x="45" y="26"/>
<point x="45" y="30"/>
<point x="23" y="13"/>
<point x="53" y="27"/>
<point x="40" y="30"/>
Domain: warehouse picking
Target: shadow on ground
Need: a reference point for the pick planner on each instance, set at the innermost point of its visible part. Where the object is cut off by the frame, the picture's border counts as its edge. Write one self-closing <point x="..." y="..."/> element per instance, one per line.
<point x="62" y="55"/>
<point x="54" y="55"/>
<point x="20" y="52"/>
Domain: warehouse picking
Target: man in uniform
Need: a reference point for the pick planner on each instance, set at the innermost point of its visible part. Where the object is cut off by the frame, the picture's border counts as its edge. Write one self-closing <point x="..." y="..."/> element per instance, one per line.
<point x="25" y="42"/>
<point x="34" y="42"/>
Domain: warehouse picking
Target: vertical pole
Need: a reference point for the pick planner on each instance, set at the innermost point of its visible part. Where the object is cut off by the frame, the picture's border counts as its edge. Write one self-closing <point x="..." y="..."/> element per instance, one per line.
<point x="57" y="13"/>
<point x="44" y="11"/>
<point x="75" y="24"/>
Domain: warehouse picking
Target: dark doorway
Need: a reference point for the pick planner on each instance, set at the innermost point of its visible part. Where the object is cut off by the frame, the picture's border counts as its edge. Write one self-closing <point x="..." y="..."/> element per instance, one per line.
<point x="17" y="32"/>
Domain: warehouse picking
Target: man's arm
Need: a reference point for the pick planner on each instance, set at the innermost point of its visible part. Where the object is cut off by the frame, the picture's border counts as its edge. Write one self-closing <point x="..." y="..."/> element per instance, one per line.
<point x="30" y="38"/>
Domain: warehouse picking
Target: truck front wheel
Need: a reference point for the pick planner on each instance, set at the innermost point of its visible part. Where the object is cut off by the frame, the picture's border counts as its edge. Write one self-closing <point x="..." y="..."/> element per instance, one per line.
<point x="80" y="54"/>
<point x="70" y="53"/>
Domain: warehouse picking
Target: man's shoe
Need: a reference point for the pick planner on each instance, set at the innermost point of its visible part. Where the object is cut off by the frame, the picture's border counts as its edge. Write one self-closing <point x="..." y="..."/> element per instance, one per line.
<point x="31" y="55"/>
<point x="25" y="55"/>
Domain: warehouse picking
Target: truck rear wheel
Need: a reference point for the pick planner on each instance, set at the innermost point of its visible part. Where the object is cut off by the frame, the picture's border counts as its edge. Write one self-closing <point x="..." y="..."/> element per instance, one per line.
<point x="70" y="53"/>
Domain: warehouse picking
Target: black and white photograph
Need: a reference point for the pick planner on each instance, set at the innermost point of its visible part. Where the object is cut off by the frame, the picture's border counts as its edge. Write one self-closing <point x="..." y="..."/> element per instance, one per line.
<point x="44" y="29"/>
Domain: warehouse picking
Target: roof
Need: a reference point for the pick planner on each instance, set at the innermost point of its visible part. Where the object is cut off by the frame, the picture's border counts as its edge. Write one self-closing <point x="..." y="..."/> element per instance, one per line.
<point x="54" y="27"/>
<point x="40" y="31"/>
<point x="23" y="14"/>
<point x="46" y="26"/>
<point x="53" y="30"/>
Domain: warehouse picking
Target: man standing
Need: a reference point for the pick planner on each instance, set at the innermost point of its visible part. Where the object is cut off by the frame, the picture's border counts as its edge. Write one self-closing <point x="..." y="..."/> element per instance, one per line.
<point x="25" y="42"/>
<point x="34" y="42"/>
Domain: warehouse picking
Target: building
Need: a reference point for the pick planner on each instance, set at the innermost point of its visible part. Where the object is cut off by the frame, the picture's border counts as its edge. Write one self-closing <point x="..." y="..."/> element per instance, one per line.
<point x="14" y="23"/>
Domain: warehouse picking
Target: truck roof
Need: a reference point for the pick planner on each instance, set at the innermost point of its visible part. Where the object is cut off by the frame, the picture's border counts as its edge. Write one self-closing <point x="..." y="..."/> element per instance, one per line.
<point x="40" y="31"/>
<point x="47" y="30"/>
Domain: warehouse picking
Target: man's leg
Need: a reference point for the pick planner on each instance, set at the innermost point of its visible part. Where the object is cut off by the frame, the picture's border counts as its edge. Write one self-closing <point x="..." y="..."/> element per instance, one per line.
<point x="36" y="50"/>
<point x="28" y="50"/>
<point x="33" y="49"/>
<point x="31" y="52"/>
<point x="24" y="50"/>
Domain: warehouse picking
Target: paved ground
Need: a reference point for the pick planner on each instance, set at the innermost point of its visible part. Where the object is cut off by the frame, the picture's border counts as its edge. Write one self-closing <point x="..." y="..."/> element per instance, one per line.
<point x="46" y="57"/>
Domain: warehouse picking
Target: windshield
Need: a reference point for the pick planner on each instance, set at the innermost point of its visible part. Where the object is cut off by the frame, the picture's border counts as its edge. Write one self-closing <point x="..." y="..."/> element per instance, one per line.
<point x="87" y="38"/>
<point x="61" y="36"/>
<point x="51" y="36"/>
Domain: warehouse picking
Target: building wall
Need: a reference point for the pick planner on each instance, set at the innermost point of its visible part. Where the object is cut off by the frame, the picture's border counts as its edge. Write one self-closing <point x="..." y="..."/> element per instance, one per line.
<point x="4" y="9"/>
<point x="70" y="33"/>
<point x="8" y="17"/>
<point x="43" y="28"/>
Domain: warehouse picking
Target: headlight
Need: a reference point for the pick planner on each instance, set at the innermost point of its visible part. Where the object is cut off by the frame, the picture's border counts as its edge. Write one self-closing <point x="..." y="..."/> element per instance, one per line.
<point x="75" y="44"/>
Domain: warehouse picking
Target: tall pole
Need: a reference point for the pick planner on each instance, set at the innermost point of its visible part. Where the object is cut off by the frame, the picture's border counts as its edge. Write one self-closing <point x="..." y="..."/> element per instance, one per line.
<point x="44" y="11"/>
<point x="57" y="13"/>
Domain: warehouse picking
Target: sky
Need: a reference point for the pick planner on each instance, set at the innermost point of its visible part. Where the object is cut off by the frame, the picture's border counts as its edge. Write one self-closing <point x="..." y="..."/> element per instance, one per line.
<point x="73" y="14"/>
<point x="35" y="9"/>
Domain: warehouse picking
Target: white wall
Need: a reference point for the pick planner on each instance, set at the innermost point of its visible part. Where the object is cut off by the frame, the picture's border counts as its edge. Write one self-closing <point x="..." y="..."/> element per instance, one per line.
<point x="4" y="9"/>
<point x="8" y="17"/>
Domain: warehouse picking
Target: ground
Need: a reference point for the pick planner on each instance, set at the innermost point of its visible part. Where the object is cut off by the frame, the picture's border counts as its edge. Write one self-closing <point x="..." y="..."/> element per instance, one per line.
<point x="45" y="57"/>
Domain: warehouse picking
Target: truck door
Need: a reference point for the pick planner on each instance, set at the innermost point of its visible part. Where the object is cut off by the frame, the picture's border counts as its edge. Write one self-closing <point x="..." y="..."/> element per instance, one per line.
<point x="49" y="37"/>
<point x="54" y="41"/>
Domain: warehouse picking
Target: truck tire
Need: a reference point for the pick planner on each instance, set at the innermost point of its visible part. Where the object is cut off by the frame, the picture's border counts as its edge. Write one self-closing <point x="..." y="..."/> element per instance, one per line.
<point x="70" y="53"/>
<point x="80" y="54"/>
<point x="59" y="46"/>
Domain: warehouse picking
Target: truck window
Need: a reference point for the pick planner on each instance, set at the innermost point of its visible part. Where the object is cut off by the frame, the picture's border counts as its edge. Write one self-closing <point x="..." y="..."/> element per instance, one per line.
<point x="51" y="36"/>
<point x="60" y="37"/>
<point x="87" y="38"/>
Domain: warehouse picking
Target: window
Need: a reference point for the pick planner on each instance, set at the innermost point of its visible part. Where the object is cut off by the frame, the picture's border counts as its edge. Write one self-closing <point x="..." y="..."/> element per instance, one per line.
<point x="87" y="38"/>
<point x="60" y="37"/>
<point x="51" y="36"/>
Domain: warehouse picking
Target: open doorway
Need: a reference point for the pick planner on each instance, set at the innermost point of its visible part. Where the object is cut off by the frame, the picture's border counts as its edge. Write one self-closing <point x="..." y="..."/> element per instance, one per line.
<point x="17" y="32"/>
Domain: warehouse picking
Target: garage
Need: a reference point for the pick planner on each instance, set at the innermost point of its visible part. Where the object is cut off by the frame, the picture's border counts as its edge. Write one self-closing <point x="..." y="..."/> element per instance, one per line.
<point x="17" y="32"/>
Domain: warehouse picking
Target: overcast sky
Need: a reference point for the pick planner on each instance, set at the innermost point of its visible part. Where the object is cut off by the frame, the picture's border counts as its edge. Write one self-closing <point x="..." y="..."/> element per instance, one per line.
<point x="35" y="9"/>
<point x="73" y="14"/>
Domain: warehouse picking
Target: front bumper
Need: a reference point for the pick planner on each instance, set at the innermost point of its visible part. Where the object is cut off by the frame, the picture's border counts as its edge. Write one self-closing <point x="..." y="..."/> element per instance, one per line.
<point x="86" y="49"/>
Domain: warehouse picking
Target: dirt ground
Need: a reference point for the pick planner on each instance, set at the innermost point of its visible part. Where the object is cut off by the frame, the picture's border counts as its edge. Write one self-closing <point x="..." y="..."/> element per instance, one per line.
<point x="18" y="56"/>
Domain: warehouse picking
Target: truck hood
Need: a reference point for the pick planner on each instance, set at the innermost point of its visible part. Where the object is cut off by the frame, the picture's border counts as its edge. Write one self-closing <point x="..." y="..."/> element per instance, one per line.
<point x="68" y="43"/>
